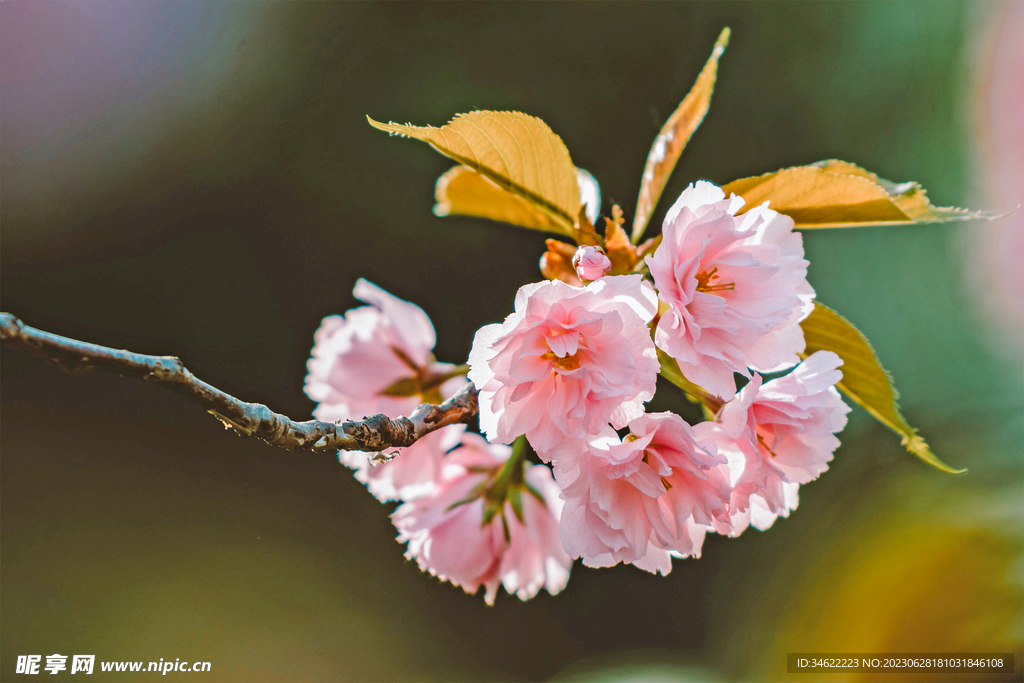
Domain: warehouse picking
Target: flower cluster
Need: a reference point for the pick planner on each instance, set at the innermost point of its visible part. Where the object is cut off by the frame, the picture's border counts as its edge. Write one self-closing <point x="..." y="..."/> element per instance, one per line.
<point x="569" y="372"/>
<point x="573" y="364"/>
<point x="464" y="513"/>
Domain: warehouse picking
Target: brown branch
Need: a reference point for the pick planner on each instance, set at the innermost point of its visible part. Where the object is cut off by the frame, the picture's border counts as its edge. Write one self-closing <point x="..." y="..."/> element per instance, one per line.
<point x="373" y="433"/>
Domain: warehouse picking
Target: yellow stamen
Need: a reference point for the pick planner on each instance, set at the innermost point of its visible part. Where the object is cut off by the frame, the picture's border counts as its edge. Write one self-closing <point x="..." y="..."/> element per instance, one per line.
<point x="667" y="485"/>
<point x="704" y="278"/>
<point x="567" y="363"/>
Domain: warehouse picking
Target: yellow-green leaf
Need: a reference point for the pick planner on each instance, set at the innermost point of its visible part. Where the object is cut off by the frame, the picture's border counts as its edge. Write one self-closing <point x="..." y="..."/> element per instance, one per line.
<point x="464" y="192"/>
<point x="864" y="378"/>
<point x="910" y="197"/>
<point x="673" y="137"/>
<point x="519" y="153"/>
<point x="838" y="194"/>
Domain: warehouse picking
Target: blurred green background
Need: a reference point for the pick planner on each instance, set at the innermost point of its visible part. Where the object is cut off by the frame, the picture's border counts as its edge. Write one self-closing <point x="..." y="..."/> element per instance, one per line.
<point x="198" y="178"/>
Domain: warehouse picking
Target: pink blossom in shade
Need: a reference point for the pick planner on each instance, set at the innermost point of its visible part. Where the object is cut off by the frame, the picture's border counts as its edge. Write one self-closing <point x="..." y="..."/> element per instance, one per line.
<point x="994" y="252"/>
<point x="356" y="357"/>
<point x="736" y="288"/>
<point x="636" y="500"/>
<point x="567" y="361"/>
<point x="590" y="263"/>
<point x="413" y="473"/>
<point x="451" y="542"/>
<point x="778" y="435"/>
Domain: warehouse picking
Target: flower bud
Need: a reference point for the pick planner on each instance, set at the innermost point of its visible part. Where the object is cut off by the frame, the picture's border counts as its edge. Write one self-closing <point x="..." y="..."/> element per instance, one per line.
<point x="590" y="263"/>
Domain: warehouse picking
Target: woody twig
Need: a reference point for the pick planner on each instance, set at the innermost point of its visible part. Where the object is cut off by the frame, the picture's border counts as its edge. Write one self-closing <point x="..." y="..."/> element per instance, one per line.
<point x="373" y="433"/>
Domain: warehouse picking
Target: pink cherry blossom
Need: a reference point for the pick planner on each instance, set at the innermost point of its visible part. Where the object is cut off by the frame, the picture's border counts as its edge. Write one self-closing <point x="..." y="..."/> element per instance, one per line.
<point x="356" y="357"/>
<point x="736" y="288"/>
<point x="776" y="436"/>
<point x="635" y="501"/>
<point x="590" y="263"/>
<point x="567" y="361"/>
<point x="413" y="473"/>
<point x="448" y="538"/>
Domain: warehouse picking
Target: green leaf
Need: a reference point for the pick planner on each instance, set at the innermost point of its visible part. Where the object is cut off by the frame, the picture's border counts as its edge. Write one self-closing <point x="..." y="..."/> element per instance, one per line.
<point x="838" y="194"/>
<point x="504" y="526"/>
<point x="674" y="135"/>
<point x="410" y="386"/>
<point x="491" y="508"/>
<point x="534" y="492"/>
<point x="519" y="153"/>
<point x="864" y="379"/>
<point x="515" y="497"/>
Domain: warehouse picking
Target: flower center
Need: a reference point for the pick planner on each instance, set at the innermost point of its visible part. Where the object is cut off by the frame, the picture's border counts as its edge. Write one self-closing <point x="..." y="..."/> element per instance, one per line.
<point x="568" y="363"/>
<point x="704" y="282"/>
<point x="664" y="482"/>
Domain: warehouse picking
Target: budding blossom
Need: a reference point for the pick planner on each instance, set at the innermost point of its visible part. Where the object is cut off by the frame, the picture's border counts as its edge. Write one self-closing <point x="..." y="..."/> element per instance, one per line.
<point x="778" y="435"/>
<point x="567" y="361"/>
<point x="447" y="535"/>
<point x="735" y="286"/>
<point x="639" y="499"/>
<point x="377" y="359"/>
<point x="590" y="263"/>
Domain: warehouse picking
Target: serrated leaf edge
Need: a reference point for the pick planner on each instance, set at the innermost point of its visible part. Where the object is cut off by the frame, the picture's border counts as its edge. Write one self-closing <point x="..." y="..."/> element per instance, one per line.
<point x="910" y="439"/>
<point x="502" y="181"/>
